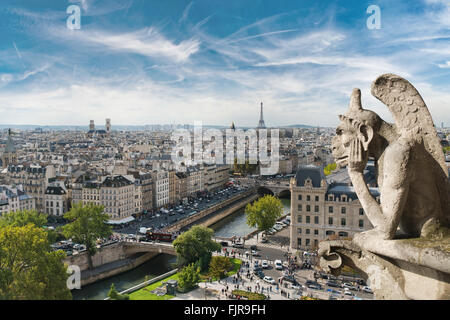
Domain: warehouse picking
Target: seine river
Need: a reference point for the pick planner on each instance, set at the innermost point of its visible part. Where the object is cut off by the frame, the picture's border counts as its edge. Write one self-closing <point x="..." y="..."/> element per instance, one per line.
<point x="232" y="225"/>
<point x="236" y="224"/>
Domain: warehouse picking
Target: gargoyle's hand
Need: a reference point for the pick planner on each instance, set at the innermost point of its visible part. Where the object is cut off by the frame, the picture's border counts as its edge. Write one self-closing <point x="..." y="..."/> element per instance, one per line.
<point x="358" y="157"/>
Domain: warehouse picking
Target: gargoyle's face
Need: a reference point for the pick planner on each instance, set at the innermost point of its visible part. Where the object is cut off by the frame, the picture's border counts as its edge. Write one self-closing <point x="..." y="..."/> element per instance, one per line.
<point x="351" y="143"/>
<point x="341" y="143"/>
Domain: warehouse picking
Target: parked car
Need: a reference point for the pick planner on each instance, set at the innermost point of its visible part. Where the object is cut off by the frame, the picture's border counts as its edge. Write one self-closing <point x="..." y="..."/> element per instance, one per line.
<point x="277" y="227"/>
<point x="269" y="280"/>
<point x="253" y="247"/>
<point x="367" y="289"/>
<point x="347" y="292"/>
<point x="224" y="243"/>
<point x="264" y="264"/>
<point x="349" y="286"/>
<point x="255" y="253"/>
<point x="278" y="265"/>
<point x="313" y="285"/>
<point x="290" y="279"/>
<point x="238" y="245"/>
<point x="260" y="274"/>
<point x="333" y="291"/>
<point x="333" y="284"/>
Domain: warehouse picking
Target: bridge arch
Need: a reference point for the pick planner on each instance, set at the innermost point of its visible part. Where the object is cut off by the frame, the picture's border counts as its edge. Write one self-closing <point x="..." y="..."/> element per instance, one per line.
<point x="264" y="190"/>
<point x="284" y="194"/>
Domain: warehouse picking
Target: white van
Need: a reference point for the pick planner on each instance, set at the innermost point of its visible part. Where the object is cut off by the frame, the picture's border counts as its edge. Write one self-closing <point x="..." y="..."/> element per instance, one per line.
<point x="278" y="265"/>
<point x="143" y="230"/>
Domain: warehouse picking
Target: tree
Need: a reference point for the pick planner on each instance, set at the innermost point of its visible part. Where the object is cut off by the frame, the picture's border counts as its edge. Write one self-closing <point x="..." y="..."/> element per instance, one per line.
<point x="114" y="295"/>
<point x="264" y="212"/>
<point x="189" y="276"/>
<point x="29" y="269"/>
<point x="195" y="245"/>
<point x="219" y="266"/>
<point x="88" y="224"/>
<point x="329" y="168"/>
<point x="22" y="218"/>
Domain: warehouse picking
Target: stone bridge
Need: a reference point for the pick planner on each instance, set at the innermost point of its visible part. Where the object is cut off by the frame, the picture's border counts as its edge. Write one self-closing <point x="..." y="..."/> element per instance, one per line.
<point x="131" y="248"/>
<point x="277" y="188"/>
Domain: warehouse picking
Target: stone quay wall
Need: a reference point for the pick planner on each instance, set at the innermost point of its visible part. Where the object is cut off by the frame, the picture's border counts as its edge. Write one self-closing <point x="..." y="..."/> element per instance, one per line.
<point x="199" y="218"/>
<point x="104" y="255"/>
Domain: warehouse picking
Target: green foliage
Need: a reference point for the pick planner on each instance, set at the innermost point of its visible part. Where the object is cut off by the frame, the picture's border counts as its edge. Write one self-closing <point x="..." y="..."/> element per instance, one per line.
<point x="55" y="236"/>
<point x="189" y="276"/>
<point x="244" y="168"/>
<point x="329" y="169"/>
<point x="195" y="245"/>
<point x="249" y="295"/>
<point x="264" y="212"/>
<point x="446" y="150"/>
<point x="29" y="269"/>
<point x="22" y="218"/>
<point x="114" y="295"/>
<point x="88" y="223"/>
<point x="219" y="266"/>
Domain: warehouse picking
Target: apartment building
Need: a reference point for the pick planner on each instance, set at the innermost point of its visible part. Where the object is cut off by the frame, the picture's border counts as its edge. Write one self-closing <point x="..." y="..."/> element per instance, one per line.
<point x="13" y="198"/>
<point x="321" y="210"/>
<point x="55" y="200"/>
<point x="160" y="190"/>
<point x="117" y="195"/>
<point x="194" y="180"/>
<point x="90" y="192"/>
<point x="180" y="186"/>
<point x="172" y="198"/>
<point x="34" y="179"/>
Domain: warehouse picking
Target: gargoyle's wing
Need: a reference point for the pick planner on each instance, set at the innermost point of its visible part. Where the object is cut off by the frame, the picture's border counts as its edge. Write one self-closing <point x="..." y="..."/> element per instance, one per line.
<point x="411" y="115"/>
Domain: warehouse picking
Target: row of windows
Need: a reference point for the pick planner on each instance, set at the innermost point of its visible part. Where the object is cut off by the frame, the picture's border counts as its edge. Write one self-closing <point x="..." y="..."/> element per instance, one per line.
<point x="330" y="209"/>
<point x="307" y="242"/>
<point x="330" y="221"/>
<point x="308" y="198"/>
<point x="308" y="231"/>
<point x="51" y="204"/>
<point x="317" y="198"/>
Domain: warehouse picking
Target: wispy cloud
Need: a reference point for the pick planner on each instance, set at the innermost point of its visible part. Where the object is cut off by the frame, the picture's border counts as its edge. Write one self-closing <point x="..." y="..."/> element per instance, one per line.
<point x="185" y="14"/>
<point x="303" y="65"/>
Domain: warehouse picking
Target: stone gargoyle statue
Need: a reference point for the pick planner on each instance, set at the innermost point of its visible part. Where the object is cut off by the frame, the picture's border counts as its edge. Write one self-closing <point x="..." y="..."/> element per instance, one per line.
<point x="412" y="174"/>
<point x="407" y="253"/>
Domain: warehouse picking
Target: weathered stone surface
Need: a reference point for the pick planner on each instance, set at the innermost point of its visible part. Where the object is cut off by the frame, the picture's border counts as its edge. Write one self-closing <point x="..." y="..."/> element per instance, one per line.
<point x="414" y="202"/>
<point x="412" y="175"/>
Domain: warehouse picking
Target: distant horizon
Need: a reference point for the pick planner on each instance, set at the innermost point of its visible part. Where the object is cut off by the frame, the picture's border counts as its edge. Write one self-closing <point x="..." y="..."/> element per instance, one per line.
<point x="35" y="126"/>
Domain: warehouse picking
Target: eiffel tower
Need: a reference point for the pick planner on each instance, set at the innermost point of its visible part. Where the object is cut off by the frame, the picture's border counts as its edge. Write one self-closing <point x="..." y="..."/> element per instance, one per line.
<point x="261" y="124"/>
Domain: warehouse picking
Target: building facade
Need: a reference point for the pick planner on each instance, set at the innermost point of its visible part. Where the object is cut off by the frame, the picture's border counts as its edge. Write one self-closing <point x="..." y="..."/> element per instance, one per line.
<point x="322" y="210"/>
<point x="55" y="200"/>
<point x="117" y="195"/>
<point x="34" y="179"/>
<point x="13" y="198"/>
<point x="160" y="188"/>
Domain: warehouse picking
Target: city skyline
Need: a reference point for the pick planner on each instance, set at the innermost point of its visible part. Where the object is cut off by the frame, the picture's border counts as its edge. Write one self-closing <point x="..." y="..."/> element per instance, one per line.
<point x="183" y="61"/>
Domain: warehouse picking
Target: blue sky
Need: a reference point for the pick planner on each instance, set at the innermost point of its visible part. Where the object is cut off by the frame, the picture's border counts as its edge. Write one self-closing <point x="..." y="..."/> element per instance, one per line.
<point x="151" y="61"/>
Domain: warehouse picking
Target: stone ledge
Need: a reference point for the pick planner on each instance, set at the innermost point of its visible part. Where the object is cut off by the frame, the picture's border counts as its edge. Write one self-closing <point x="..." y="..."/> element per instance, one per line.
<point x="396" y="269"/>
<point x="434" y="254"/>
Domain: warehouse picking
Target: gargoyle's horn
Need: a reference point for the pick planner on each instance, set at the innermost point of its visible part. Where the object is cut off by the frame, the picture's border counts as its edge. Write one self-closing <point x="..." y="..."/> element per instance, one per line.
<point x="355" y="100"/>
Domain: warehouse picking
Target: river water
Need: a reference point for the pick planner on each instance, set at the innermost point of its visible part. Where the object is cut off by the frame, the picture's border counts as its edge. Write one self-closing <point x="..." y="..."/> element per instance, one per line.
<point x="152" y="268"/>
<point x="234" y="224"/>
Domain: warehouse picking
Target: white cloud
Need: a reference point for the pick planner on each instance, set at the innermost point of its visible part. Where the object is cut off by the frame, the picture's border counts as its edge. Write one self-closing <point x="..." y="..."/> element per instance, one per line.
<point x="147" y="42"/>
